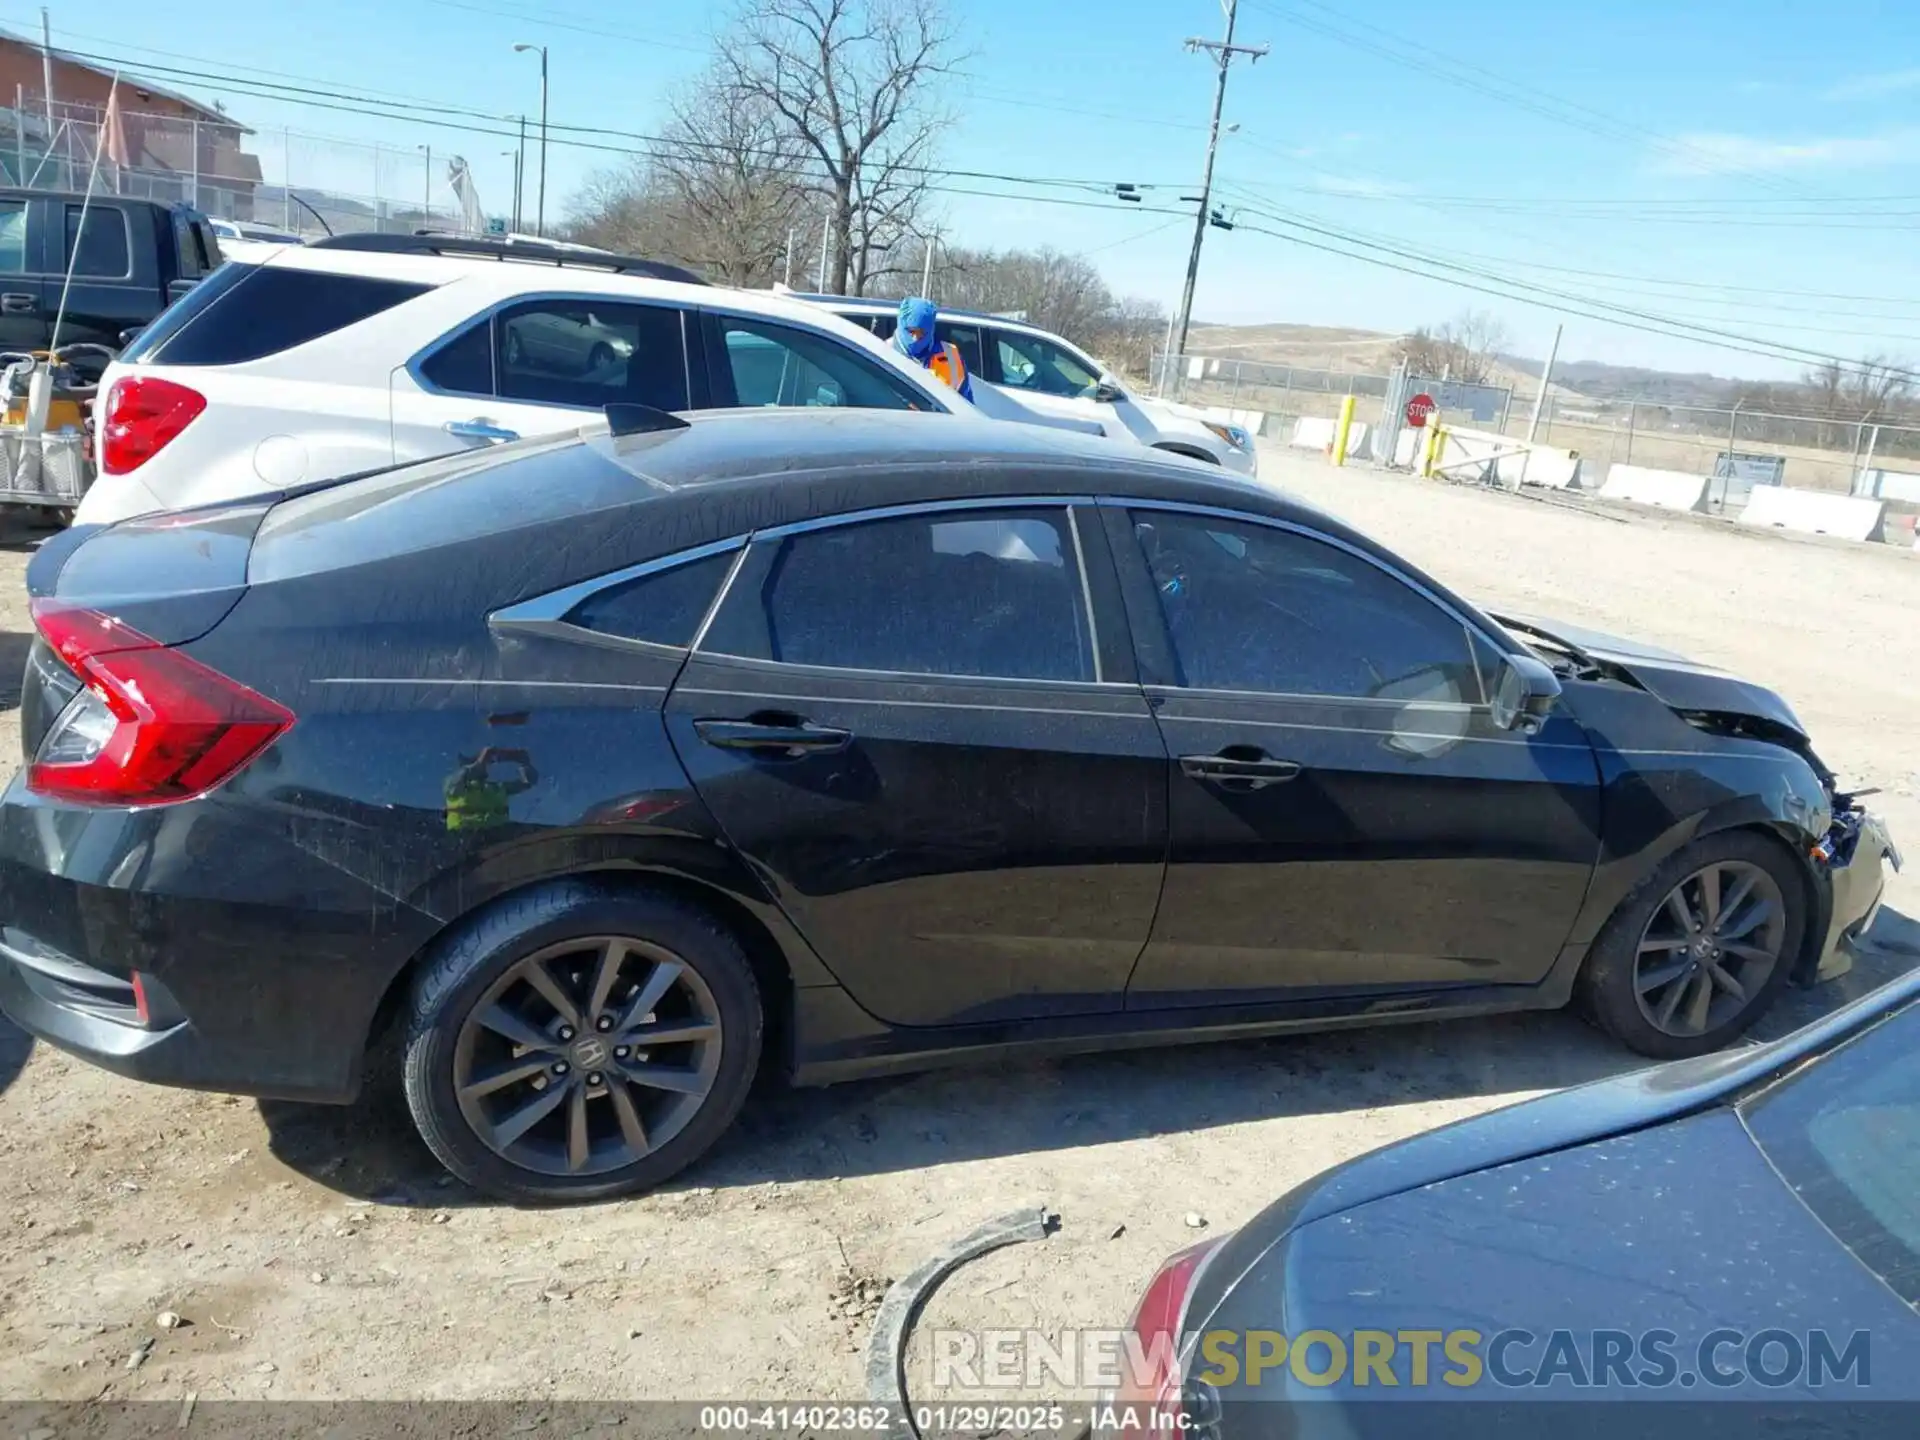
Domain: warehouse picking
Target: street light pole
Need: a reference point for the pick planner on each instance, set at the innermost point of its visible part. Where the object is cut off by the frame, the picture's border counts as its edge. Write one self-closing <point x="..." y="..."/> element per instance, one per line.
<point x="426" y="197"/>
<point x="540" y="213"/>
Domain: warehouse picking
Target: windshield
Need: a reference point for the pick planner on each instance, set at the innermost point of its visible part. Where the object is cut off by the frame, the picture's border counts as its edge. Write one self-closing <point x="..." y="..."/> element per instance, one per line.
<point x="1845" y="1134"/>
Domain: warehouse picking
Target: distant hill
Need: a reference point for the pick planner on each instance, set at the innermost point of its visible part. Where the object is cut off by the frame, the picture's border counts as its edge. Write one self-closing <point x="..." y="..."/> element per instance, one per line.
<point x="1371" y="352"/>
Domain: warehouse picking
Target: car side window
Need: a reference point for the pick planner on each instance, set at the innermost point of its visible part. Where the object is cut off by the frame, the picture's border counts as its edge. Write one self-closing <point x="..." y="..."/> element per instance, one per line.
<point x="591" y="353"/>
<point x="1251" y="607"/>
<point x="767" y="364"/>
<point x="464" y="364"/>
<point x="97" y="246"/>
<point x="1030" y="363"/>
<point x="987" y="593"/>
<point x="965" y="339"/>
<point x="665" y="607"/>
<point x="13" y="237"/>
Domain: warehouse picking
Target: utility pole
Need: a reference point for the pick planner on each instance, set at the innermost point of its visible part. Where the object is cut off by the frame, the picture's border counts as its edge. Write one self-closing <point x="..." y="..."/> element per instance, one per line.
<point x="1546" y="375"/>
<point x="1223" y="52"/>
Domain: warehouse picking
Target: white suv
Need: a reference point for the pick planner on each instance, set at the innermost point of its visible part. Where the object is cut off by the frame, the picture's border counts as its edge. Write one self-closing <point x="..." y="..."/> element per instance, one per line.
<point x="364" y="351"/>
<point x="1053" y="377"/>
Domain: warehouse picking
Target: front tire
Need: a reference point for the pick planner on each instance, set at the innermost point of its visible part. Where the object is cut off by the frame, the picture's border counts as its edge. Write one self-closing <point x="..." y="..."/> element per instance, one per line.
<point x="1700" y="949"/>
<point x="579" y="1042"/>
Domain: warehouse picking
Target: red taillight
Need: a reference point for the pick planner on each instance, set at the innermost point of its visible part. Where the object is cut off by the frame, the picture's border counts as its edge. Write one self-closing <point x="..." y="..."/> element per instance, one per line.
<point x="1151" y="1393"/>
<point x="144" y="413"/>
<point x="152" y="724"/>
<point x="140" y="1005"/>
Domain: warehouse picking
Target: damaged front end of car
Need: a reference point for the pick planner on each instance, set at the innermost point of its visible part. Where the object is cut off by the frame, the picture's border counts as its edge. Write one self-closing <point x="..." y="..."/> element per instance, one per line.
<point x="1853" y="855"/>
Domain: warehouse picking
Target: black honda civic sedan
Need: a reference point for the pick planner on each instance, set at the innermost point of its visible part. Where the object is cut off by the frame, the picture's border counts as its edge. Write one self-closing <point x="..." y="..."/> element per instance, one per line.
<point x="590" y="767"/>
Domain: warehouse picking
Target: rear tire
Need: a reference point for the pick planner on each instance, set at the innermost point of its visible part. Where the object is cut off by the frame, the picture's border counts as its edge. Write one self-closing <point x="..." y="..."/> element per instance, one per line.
<point x="579" y="1042"/>
<point x="1700" y="949"/>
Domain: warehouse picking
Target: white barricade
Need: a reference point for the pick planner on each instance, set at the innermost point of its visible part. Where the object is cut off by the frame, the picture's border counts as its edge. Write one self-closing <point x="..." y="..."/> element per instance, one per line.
<point x="1311" y="432"/>
<point x="1814" y="512"/>
<point x="1667" y="489"/>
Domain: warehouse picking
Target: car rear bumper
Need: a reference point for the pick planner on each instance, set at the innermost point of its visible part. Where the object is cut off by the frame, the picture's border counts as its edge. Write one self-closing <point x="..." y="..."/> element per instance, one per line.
<point x="263" y="970"/>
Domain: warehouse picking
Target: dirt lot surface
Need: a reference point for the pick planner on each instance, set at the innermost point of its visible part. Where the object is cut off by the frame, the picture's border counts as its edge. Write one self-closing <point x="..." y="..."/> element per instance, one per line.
<point x="316" y="1253"/>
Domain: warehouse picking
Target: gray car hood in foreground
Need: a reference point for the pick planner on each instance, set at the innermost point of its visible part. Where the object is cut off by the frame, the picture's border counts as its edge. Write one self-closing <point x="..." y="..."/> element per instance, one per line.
<point x="1683" y="1229"/>
<point x="1673" y="679"/>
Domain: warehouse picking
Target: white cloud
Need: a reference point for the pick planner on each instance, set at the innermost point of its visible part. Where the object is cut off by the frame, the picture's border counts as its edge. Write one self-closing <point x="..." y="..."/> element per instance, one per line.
<point x="1358" y="185"/>
<point x="1870" y="87"/>
<point x="1717" y="154"/>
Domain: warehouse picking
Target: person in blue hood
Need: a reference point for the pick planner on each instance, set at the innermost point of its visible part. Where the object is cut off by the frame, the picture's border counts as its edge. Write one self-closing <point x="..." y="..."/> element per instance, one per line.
<point x="915" y="338"/>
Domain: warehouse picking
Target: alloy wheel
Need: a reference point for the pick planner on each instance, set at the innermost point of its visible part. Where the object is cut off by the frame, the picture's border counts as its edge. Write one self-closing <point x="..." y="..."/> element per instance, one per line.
<point x="586" y="1056"/>
<point x="1709" y="948"/>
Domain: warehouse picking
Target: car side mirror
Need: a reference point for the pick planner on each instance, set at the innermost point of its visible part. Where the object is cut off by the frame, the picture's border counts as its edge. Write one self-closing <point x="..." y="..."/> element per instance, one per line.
<point x="1108" y="393"/>
<point x="1525" y="693"/>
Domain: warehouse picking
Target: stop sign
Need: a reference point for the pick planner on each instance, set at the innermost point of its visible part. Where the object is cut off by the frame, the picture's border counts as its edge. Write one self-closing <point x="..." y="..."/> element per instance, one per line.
<point x="1419" y="408"/>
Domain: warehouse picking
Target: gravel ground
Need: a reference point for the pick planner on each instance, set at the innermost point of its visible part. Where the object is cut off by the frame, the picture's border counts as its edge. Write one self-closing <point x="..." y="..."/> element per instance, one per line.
<point x="317" y="1254"/>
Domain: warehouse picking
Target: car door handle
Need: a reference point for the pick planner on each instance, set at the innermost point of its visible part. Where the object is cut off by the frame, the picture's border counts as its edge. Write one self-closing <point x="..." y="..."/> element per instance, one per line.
<point x="480" y="429"/>
<point x="782" y="738"/>
<point x="1238" y="773"/>
<point x="16" y="303"/>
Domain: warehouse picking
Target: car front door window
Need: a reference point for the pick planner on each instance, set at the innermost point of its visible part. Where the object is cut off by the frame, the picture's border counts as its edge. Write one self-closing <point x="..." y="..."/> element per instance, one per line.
<point x="1252" y="608"/>
<point x="762" y="363"/>
<point x="1030" y="363"/>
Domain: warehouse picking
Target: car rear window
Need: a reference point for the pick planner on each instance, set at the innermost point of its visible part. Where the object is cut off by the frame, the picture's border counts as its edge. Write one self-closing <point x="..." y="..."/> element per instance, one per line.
<point x="266" y="310"/>
<point x="187" y="308"/>
<point x="437" y="502"/>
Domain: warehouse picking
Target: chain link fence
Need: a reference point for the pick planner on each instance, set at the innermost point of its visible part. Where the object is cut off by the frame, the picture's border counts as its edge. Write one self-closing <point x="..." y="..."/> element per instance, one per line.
<point x="1737" y="447"/>
<point x="319" y="184"/>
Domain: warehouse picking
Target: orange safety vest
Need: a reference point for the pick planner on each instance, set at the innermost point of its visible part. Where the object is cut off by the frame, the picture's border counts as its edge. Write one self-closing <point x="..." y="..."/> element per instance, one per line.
<point x="947" y="364"/>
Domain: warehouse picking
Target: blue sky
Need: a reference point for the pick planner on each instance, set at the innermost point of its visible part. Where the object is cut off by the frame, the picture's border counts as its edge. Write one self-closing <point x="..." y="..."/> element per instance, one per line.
<point x="1746" y="167"/>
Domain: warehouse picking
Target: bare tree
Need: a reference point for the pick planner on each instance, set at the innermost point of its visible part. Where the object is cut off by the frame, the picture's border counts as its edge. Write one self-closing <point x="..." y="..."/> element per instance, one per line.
<point x="1466" y="348"/>
<point x="855" y="83"/>
<point x="720" y="193"/>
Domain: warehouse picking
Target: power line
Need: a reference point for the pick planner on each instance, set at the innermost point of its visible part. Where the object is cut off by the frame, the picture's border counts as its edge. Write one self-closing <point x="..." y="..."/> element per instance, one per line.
<point x="1484" y="282"/>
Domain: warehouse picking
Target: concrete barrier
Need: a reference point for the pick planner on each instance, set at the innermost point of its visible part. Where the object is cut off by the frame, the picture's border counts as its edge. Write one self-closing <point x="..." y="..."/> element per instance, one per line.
<point x="1814" y="512"/>
<point x="1311" y="432"/>
<point x="1666" y="489"/>
<point x="1406" y="448"/>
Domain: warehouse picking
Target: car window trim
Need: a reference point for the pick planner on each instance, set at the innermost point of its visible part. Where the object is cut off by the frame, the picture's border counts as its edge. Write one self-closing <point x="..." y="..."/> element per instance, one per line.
<point x="487" y="316"/>
<point x="546" y="614"/>
<point x="1181" y="507"/>
<point x="779" y="533"/>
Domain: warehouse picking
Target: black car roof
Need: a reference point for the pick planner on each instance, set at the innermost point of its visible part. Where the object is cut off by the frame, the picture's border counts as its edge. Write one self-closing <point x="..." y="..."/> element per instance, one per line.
<point x="520" y="520"/>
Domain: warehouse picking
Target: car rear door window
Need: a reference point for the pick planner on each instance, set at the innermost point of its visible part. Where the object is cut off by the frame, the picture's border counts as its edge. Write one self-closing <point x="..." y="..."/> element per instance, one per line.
<point x="765" y="364"/>
<point x="591" y="353"/>
<point x="97" y="246"/>
<point x="966" y="339"/>
<point x="13" y="237"/>
<point x="267" y="309"/>
<point x="1254" y="608"/>
<point x="664" y="608"/>
<point x="988" y="593"/>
